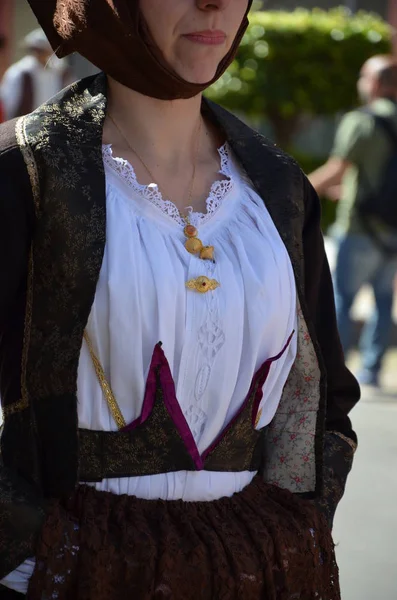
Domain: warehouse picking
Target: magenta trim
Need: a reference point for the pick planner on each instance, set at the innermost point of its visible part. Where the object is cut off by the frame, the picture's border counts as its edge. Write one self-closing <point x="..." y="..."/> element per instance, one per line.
<point x="258" y="382"/>
<point x="150" y="390"/>
<point x="159" y="361"/>
<point x="176" y="414"/>
<point x="259" y="391"/>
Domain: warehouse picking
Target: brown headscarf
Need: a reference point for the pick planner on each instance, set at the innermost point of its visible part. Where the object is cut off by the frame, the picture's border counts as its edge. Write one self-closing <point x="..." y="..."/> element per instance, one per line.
<point x="113" y="35"/>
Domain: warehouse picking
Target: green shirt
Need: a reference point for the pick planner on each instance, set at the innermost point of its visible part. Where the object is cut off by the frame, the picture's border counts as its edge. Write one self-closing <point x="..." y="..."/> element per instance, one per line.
<point x="365" y="145"/>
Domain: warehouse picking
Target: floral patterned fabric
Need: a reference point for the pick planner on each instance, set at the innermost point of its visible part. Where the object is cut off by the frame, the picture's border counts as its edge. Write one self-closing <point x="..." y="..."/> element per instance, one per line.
<point x="290" y="440"/>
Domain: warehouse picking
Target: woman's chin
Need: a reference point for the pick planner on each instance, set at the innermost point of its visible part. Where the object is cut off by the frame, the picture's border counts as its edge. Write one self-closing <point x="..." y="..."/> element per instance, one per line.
<point x="198" y="77"/>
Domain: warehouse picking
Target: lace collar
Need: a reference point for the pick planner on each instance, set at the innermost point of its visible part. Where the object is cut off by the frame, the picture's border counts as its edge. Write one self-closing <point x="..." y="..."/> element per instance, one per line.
<point x="151" y="192"/>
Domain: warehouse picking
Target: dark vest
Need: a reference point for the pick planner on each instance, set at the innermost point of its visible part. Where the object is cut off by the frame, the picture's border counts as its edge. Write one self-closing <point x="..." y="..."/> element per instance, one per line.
<point x="62" y="146"/>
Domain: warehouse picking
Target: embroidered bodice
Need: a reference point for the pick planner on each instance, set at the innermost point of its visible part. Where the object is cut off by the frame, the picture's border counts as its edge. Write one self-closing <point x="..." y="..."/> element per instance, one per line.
<point x="161" y="441"/>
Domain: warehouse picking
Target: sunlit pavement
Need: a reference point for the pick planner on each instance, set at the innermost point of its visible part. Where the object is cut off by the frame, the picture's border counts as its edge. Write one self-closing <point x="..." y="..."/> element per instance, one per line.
<point x="365" y="530"/>
<point x="366" y="522"/>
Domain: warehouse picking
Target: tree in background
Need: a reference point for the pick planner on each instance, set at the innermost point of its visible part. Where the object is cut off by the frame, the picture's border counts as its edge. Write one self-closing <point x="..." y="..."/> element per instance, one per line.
<point x="294" y="64"/>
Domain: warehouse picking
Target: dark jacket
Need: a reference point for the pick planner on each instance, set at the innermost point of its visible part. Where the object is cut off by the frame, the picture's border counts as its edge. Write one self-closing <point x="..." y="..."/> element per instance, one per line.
<point x="52" y="239"/>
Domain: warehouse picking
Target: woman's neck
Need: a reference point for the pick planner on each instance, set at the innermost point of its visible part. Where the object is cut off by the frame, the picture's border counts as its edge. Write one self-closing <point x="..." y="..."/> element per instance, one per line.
<point x="166" y="131"/>
<point x="168" y="138"/>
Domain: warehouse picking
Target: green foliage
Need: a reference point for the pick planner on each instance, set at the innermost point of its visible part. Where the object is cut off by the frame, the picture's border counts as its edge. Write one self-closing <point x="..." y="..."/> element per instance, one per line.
<point x="300" y="62"/>
<point x="293" y="64"/>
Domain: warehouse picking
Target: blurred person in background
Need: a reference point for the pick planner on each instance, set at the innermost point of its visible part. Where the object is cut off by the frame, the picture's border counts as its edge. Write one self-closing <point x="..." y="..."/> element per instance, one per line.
<point x="363" y="162"/>
<point x="37" y="77"/>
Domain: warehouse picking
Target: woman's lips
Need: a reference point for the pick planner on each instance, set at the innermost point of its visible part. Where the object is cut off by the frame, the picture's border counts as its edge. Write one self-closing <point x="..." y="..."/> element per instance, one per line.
<point x="210" y="38"/>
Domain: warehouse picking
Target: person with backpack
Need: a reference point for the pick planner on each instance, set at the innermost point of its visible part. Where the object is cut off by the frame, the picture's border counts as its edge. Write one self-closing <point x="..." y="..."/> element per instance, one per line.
<point x="364" y="159"/>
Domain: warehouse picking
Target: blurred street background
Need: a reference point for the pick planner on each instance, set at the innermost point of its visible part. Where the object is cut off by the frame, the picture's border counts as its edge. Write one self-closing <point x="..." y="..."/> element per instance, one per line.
<point x="366" y="521"/>
<point x="293" y="79"/>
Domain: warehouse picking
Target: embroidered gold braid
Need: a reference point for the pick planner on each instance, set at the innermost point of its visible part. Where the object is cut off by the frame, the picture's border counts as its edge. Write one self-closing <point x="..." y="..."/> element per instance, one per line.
<point x="34" y="182"/>
<point x="14" y="408"/>
<point x="106" y="389"/>
<point x="346" y="439"/>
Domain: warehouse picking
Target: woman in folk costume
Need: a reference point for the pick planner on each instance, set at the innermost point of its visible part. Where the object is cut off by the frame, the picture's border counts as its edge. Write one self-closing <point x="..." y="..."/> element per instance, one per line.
<point x="174" y="392"/>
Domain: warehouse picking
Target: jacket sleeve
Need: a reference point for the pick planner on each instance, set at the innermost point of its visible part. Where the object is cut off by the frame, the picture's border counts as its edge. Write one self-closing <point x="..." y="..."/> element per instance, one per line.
<point x="16" y="221"/>
<point x="343" y="391"/>
<point x="21" y="505"/>
<point x="22" y="514"/>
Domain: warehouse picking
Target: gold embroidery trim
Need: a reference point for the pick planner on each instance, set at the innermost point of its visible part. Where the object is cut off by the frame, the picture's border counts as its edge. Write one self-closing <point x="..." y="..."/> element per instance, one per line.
<point x="106" y="389"/>
<point x="31" y="167"/>
<point x="346" y="439"/>
<point x="30" y="161"/>
<point x="258" y="417"/>
<point x="14" y="408"/>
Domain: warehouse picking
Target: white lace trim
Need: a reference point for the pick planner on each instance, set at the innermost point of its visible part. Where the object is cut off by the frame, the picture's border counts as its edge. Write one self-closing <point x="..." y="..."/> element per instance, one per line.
<point x="151" y="192"/>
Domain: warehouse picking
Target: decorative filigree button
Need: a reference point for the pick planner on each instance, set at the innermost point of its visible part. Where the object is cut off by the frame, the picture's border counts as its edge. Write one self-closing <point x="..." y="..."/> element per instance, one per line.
<point x="202" y="284"/>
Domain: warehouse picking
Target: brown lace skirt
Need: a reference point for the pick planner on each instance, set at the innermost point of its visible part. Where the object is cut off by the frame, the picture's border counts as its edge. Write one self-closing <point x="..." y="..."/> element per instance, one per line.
<point x="262" y="543"/>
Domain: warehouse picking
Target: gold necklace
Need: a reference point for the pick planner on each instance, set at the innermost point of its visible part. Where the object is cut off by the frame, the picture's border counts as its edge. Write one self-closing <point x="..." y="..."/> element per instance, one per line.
<point x="193" y="244"/>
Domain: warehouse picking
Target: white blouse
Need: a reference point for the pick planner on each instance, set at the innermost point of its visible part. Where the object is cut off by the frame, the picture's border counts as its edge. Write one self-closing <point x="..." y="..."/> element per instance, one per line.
<point x="214" y="342"/>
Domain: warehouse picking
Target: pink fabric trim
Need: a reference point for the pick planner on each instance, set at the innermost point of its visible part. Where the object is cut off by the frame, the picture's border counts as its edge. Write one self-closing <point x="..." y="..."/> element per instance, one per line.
<point x="159" y="361"/>
<point x="258" y="379"/>
<point x="257" y="382"/>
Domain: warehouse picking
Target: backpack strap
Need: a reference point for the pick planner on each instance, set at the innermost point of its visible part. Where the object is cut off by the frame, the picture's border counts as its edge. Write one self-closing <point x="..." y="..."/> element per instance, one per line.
<point x="391" y="133"/>
<point x="385" y="124"/>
